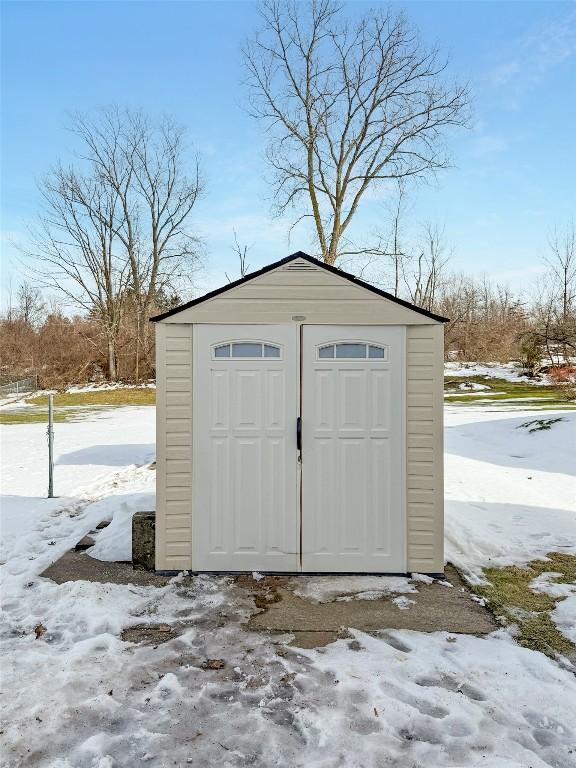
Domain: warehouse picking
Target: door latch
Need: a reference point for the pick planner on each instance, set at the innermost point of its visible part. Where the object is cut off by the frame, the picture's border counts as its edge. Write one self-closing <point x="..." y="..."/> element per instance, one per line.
<point x="299" y="433"/>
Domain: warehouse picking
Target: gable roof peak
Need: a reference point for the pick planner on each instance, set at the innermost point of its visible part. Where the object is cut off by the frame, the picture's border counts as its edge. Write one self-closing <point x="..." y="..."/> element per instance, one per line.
<point x="313" y="261"/>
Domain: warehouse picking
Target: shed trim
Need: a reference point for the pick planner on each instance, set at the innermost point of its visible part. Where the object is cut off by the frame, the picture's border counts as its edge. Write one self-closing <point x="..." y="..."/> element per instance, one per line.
<point x="311" y="260"/>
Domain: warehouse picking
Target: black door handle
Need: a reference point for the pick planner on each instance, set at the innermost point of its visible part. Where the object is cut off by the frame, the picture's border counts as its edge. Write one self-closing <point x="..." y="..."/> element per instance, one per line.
<point x="299" y="433"/>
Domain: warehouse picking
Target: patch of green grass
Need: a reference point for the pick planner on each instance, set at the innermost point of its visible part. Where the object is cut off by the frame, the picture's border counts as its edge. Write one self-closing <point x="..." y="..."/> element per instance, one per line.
<point x="29" y="416"/>
<point x="75" y="406"/>
<point x="509" y="595"/>
<point x="542" y="397"/>
<point x="511" y="404"/>
<point x="39" y="415"/>
<point x="120" y="396"/>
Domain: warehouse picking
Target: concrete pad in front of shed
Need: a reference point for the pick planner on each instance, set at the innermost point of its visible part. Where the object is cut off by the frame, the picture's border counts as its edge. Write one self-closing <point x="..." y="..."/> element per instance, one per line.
<point x="284" y="606"/>
<point x="435" y="607"/>
<point x="76" y="565"/>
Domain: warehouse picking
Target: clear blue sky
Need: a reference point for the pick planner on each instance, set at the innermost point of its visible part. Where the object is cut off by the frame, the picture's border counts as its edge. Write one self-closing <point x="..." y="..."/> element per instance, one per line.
<point x="514" y="174"/>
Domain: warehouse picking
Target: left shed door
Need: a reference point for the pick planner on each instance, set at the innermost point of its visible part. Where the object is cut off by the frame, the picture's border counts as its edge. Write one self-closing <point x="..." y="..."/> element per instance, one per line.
<point x="245" y="505"/>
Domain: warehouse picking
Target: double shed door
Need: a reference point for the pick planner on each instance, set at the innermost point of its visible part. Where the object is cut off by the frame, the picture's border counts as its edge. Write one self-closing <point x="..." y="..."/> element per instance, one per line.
<point x="265" y="498"/>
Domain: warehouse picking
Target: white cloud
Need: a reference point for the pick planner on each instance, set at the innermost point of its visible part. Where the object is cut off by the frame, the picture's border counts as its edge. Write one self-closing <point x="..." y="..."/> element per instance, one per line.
<point x="545" y="47"/>
<point x="552" y="44"/>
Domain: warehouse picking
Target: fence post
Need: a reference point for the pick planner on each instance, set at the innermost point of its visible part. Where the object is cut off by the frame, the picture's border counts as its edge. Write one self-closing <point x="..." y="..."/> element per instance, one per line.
<point x="50" y="446"/>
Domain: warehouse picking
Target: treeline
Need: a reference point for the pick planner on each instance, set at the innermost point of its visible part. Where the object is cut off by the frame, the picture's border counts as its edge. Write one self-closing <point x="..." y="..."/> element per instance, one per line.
<point x="487" y="322"/>
<point x="40" y="338"/>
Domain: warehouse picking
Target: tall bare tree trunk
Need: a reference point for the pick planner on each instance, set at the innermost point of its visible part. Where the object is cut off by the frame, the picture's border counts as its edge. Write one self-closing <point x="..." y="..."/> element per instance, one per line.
<point x="112" y="365"/>
<point x="137" y="371"/>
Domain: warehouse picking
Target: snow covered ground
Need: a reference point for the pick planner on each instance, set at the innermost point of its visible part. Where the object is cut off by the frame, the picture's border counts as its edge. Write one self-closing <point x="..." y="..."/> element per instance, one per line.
<point x="108" y="385"/>
<point x="507" y="371"/>
<point x="510" y="492"/>
<point x="98" y="458"/>
<point x="78" y="696"/>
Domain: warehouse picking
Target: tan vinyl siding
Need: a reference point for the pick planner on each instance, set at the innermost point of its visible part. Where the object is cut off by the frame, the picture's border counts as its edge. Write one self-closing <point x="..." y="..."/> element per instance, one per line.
<point x="424" y="446"/>
<point x="320" y="296"/>
<point x="174" y="446"/>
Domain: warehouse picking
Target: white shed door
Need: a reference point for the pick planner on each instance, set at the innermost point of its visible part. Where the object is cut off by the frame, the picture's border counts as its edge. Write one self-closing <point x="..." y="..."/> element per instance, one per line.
<point x="353" y="515"/>
<point x="245" y="508"/>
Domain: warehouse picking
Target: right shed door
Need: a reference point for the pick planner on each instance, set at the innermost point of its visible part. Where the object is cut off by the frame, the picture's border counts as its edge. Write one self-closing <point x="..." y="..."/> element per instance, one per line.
<point x="353" y="468"/>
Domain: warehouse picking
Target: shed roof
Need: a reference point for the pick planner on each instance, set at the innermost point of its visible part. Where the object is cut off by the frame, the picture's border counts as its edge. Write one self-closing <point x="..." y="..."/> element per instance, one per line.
<point x="312" y="260"/>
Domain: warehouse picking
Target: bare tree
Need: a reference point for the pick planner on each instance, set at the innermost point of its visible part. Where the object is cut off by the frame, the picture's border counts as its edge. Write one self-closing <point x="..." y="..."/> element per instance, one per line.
<point x="31" y="305"/>
<point x="553" y="335"/>
<point x="145" y="164"/>
<point x="486" y="320"/>
<point x="347" y="106"/>
<point x="389" y="244"/>
<point x="77" y="252"/>
<point x="562" y="264"/>
<point x="427" y="269"/>
<point x="242" y="252"/>
<point x="114" y="238"/>
<point x="395" y="250"/>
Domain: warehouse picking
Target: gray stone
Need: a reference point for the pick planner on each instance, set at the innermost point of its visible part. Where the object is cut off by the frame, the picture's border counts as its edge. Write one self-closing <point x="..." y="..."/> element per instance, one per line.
<point x="85" y="543"/>
<point x="143" y="540"/>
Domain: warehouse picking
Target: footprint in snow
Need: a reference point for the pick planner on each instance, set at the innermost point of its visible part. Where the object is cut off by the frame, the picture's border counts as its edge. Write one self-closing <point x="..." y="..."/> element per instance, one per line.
<point x="458" y="728"/>
<point x="545" y="737"/>
<point x="542" y="722"/>
<point x="450" y="684"/>
<point x="421" y="705"/>
<point x="396" y="643"/>
<point x="365" y="726"/>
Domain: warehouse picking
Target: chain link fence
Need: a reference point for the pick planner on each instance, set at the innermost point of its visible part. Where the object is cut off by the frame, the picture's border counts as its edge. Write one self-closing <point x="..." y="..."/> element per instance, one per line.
<point x="19" y="387"/>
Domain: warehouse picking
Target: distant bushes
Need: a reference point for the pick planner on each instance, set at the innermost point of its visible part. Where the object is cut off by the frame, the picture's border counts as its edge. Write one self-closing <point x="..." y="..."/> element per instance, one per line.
<point x="64" y="351"/>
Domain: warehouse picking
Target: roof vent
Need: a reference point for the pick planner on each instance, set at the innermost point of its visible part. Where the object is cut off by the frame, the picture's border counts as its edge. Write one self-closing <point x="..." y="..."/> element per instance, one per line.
<point x="300" y="266"/>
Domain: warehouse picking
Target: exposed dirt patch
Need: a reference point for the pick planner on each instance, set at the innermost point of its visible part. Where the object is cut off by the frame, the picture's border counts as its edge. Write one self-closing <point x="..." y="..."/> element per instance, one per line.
<point x="262" y="582"/>
<point x="149" y="634"/>
<point x="266" y="589"/>
<point x="214" y="664"/>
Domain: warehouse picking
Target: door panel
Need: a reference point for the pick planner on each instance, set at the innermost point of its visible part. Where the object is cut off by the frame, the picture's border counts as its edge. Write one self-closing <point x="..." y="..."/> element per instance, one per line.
<point x="246" y="480"/>
<point x="353" y="516"/>
<point x="246" y="513"/>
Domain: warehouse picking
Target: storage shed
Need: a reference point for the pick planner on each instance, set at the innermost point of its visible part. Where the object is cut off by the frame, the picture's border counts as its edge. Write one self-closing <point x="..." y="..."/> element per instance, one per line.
<point x="299" y="427"/>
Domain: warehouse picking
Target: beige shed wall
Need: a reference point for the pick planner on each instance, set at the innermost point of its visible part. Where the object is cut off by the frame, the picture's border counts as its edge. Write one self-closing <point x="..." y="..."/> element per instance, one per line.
<point x="173" y="446"/>
<point x="322" y="298"/>
<point x="425" y="448"/>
